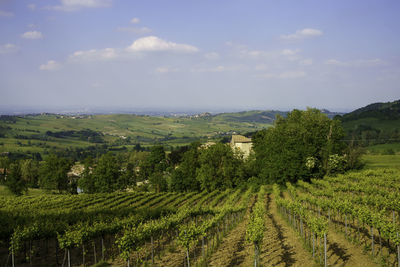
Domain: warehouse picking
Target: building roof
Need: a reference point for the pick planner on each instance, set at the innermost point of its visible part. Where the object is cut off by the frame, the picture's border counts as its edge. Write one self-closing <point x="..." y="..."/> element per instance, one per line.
<point x="240" y="139"/>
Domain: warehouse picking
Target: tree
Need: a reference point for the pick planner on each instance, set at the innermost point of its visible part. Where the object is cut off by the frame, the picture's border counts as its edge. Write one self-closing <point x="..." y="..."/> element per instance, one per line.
<point x="219" y="168"/>
<point x="4" y="164"/>
<point x="183" y="177"/>
<point x="158" y="181"/>
<point x="86" y="181"/>
<point x="54" y="173"/>
<point x="30" y="172"/>
<point x="135" y="159"/>
<point x="154" y="166"/>
<point x="15" y="183"/>
<point x="302" y="137"/>
<point x="176" y="155"/>
<point x="107" y="174"/>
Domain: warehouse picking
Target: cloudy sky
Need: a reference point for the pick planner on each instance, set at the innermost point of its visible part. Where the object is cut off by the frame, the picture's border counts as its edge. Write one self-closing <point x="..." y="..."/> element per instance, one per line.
<point x="225" y="54"/>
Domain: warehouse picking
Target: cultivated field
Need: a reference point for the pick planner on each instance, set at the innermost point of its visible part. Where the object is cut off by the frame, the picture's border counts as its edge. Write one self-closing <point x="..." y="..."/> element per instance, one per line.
<point x="30" y="133"/>
<point x="347" y="220"/>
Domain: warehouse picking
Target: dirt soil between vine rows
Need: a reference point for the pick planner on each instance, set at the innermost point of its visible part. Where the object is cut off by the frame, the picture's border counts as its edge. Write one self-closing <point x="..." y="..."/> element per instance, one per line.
<point x="281" y="246"/>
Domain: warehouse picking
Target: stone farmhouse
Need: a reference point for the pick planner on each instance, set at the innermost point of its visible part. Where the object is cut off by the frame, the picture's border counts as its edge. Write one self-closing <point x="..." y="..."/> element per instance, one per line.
<point x="243" y="143"/>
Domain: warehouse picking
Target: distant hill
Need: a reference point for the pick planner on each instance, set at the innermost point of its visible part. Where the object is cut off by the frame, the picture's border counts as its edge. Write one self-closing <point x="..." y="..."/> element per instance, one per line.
<point x="261" y="116"/>
<point x="254" y="116"/>
<point x="377" y="123"/>
<point x="381" y="111"/>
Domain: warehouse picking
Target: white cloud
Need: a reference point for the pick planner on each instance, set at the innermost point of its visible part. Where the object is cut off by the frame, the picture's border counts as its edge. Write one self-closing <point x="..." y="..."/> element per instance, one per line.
<point x="6" y="14"/>
<point x="243" y="51"/>
<point x="284" y="75"/>
<point x="73" y="5"/>
<point x="135" y="20"/>
<point x="166" y="70"/>
<point x="211" y="69"/>
<point x="356" y="63"/>
<point x="8" y="48"/>
<point x="153" y="43"/>
<point x="51" y="65"/>
<point x="212" y="56"/>
<point x="94" y="55"/>
<point x="256" y="54"/>
<point x="137" y="30"/>
<point x="32" y="35"/>
<point x="334" y="62"/>
<point x="302" y="34"/>
<point x="261" y="67"/>
<point x="219" y="68"/>
<point x="32" y="25"/>
<point x="31" y="6"/>
<point x="292" y="74"/>
<point x="289" y="52"/>
<point x="306" y="62"/>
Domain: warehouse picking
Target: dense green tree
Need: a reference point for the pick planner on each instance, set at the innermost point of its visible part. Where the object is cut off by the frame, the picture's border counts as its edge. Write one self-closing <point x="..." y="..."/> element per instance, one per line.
<point x="183" y="177"/>
<point x="219" y="168"/>
<point x="158" y="181"/>
<point x="30" y="172"/>
<point x="155" y="162"/>
<point x="4" y="164"/>
<point x="15" y="182"/>
<point x="176" y="155"/>
<point x="86" y="181"/>
<point x="107" y="174"/>
<point x="54" y="173"/>
<point x="297" y="147"/>
<point x="130" y="174"/>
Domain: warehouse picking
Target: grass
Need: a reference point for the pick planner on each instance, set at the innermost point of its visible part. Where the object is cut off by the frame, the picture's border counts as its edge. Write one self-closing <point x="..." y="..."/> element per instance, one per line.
<point x="381" y="161"/>
<point x="31" y="191"/>
<point x="384" y="148"/>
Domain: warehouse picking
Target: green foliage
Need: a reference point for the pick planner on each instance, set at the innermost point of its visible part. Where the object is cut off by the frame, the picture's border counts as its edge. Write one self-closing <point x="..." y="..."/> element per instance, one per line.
<point x="86" y="181"/>
<point x="377" y="123"/>
<point x="107" y="174"/>
<point x="54" y="173"/>
<point x="298" y="147"/>
<point x="381" y="161"/>
<point x="336" y="164"/>
<point x="183" y="177"/>
<point x="158" y="181"/>
<point x="155" y="162"/>
<point x="219" y="168"/>
<point x="4" y="164"/>
<point x="131" y="241"/>
<point x="389" y="151"/>
<point x="256" y="226"/>
<point x="188" y="234"/>
<point x="30" y="172"/>
<point x="15" y="182"/>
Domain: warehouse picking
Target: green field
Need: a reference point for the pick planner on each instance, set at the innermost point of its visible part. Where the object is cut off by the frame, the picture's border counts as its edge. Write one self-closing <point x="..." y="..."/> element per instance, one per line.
<point x="384" y="149"/>
<point x="381" y="161"/>
<point x="28" y="133"/>
<point x="31" y="192"/>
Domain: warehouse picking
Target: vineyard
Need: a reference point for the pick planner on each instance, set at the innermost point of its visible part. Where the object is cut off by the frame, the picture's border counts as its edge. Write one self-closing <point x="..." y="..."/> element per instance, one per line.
<point x="350" y="219"/>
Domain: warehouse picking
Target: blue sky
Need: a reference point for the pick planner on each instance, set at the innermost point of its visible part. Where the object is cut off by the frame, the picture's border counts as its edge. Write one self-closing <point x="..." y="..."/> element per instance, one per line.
<point x="225" y="54"/>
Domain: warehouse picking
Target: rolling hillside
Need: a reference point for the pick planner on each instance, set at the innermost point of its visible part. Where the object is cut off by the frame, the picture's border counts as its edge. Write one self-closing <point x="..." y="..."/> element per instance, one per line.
<point x="47" y="132"/>
<point x="376" y="125"/>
